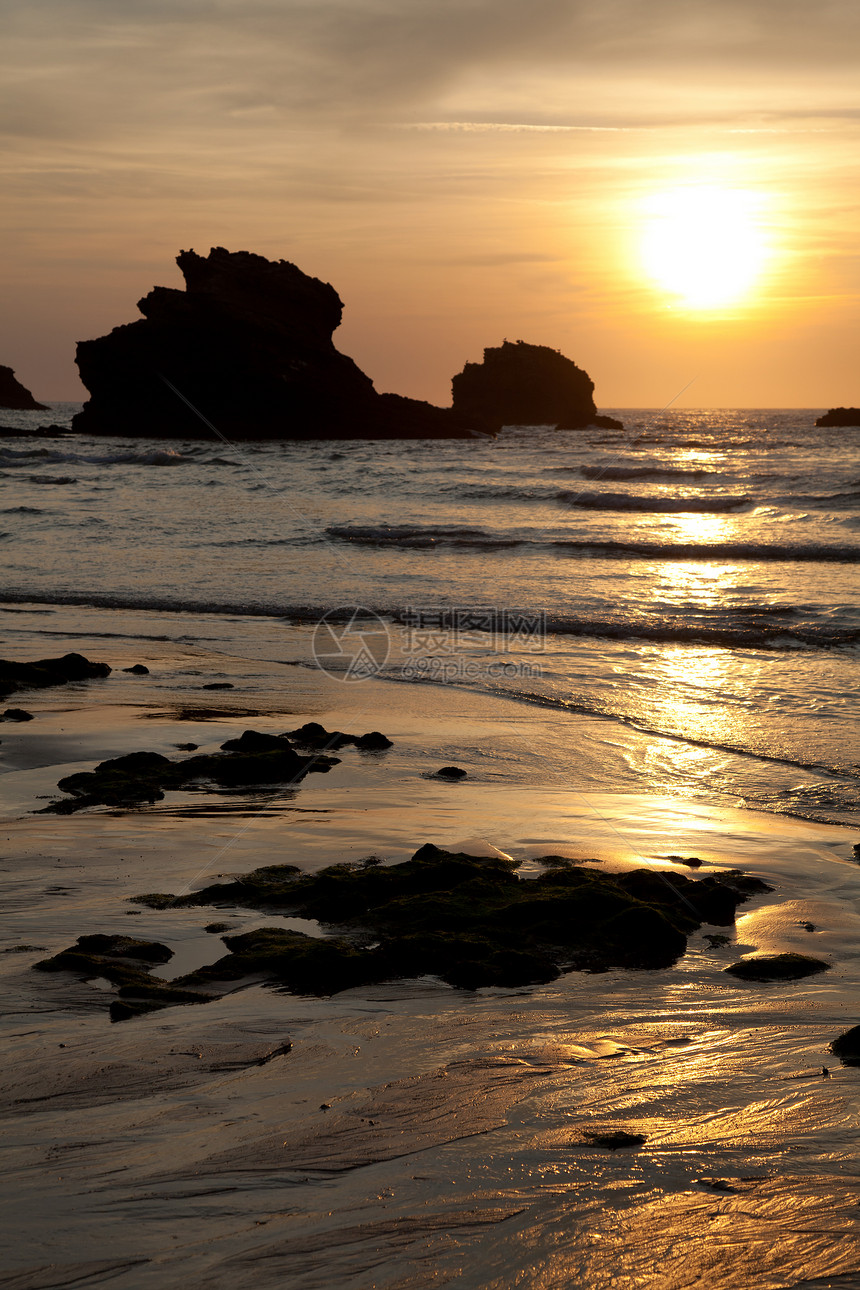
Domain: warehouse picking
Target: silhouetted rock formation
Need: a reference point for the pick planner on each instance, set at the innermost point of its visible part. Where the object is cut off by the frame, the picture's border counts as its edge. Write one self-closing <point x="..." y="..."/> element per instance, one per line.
<point x="249" y="344"/>
<point x="520" y="384"/>
<point x="840" y="417"/>
<point x="16" y="396"/>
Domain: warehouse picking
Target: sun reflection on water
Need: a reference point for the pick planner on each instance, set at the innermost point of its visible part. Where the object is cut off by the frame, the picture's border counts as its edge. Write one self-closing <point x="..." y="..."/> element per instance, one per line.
<point x="699" y="691"/>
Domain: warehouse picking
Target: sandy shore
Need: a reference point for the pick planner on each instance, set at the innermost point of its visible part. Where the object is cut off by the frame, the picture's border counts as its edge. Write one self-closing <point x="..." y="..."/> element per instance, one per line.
<point x="191" y="1147"/>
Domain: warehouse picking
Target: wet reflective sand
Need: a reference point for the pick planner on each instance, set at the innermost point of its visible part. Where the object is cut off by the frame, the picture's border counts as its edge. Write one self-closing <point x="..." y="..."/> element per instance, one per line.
<point x="191" y="1147"/>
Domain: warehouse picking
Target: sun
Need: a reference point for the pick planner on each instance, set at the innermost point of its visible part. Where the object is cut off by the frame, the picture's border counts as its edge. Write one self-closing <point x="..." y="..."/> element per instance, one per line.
<point x="704" y="244"/>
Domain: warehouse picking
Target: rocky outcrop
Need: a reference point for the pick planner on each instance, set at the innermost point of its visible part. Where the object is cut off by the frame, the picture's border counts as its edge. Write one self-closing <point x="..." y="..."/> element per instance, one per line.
<point x="840" y="417"/>
<point x="45" y="672"/>
<point x="520" y="384"/>
<point x="16" y="396"/>
<point x="248" y="344"/>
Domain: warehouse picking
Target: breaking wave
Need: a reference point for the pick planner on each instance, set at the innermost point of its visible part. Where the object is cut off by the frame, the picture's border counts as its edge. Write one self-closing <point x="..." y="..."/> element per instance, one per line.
<point x="643" y="472"/>
<point x="654" y="505"/>
<point x="406" y="535"/>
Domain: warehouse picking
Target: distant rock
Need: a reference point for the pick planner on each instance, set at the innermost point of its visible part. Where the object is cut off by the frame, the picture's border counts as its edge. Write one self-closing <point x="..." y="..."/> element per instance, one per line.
<point x="16" y="396"/>
<point x="520" y="384"/>
<point x="248" y="343"/>
<point x="840" y="417"/>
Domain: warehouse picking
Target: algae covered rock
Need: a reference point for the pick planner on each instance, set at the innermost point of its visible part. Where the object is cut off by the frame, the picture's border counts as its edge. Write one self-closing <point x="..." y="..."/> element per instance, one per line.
<point x="521" y="384"/>
<point x="126" y="963"/>
<point x="472" y="921"/>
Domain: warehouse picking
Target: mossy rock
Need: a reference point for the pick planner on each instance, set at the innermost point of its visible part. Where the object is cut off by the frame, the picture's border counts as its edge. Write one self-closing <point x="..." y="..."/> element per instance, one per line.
<point x="126" y="963"/>
<point x="472" y="921"/>
<point x="777" y="967"/>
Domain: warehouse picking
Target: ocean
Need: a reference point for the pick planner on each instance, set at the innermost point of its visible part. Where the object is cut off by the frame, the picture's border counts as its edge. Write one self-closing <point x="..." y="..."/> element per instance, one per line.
<point x="689" y="582"/>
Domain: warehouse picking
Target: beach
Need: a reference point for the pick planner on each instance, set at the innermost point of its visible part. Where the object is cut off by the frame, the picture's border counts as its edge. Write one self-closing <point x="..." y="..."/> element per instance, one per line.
<point x="685" y="703"/>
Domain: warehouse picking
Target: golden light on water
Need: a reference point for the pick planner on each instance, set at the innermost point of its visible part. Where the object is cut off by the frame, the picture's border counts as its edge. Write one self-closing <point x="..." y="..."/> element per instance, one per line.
<point x="703" y="245"/>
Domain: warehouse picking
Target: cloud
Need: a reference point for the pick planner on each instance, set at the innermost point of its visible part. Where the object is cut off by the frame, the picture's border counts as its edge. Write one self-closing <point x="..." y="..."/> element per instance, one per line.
<point x="79" y="69"/>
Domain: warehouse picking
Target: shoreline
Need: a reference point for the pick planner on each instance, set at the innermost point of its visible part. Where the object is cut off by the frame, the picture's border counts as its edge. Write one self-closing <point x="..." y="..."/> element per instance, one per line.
<point x="193" y="1143"/>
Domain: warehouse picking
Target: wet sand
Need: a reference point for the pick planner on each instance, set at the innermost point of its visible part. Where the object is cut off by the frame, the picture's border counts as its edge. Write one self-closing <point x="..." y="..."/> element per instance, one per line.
<point x="191" y="1146"/>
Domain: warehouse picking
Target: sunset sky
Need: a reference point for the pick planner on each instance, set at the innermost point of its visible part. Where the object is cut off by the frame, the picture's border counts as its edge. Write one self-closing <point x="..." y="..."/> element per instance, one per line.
<point x="665" y="190"/>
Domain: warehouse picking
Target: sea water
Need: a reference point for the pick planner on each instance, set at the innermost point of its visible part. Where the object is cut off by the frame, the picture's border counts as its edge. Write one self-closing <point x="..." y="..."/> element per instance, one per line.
<point x="689" y="582"/>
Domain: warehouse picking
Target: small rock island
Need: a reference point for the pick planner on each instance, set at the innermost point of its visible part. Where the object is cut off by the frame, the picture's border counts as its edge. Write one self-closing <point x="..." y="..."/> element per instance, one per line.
<point x="249" y="344"/>
<point x="530" y="385"/>
<point x="15" y="396"/>
<point x="246" y="350"/>
<point x="840" y="417"/>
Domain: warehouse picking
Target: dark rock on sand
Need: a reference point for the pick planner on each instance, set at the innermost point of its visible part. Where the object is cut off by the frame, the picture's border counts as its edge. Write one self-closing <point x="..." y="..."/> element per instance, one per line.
<point x="15" y="396"/>
<point x="124" y="947"/>
<point x="840" y="417"/>
<point x="777" y="967"/>
<point x="138" y="669"/>
<point x="469" y="920"/>
<point x="373" y="741"/>
<point x="313" y="735"/>
<point x="47" y="672"/>
<point x="16" y="714"/>
<point x="520" y="384"/>
<point x="847" y="1047"/>
<point x="126" y="963"/>
<point x="451" y="772"/>
<point x="218" y="685"/>
<point x="615" y="1138"/>
<point x="249" y="344"/>
<point x="252" y="741"/>
<point x="144" y="776"/>
<point x="120" y="781"/>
